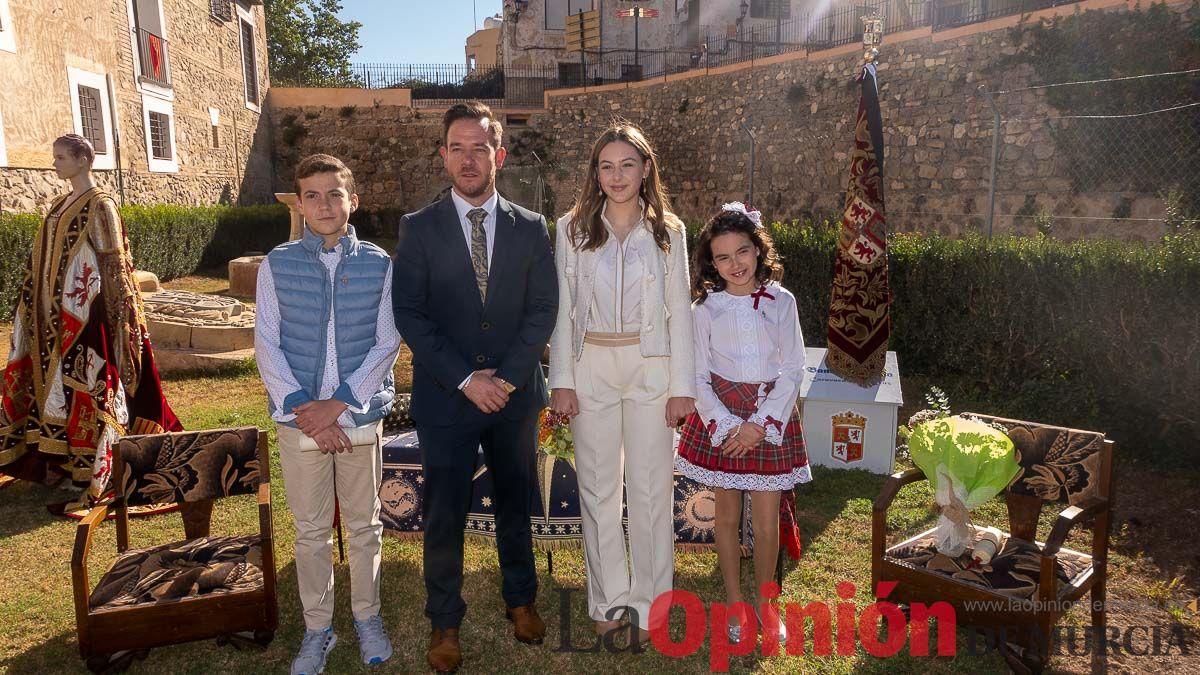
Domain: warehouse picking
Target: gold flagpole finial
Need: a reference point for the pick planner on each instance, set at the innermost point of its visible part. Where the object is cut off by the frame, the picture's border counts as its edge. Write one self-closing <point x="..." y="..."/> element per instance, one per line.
<point x="872" y="36"/>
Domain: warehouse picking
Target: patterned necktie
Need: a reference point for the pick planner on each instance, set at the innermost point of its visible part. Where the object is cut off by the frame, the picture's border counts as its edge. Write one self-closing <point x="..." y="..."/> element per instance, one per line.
<point x="479" y="256"/>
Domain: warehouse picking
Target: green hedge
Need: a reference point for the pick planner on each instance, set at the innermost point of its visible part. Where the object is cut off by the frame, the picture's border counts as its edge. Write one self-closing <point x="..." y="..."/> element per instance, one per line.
<point x="16" y="241"/>
<point x="246" y="229"/>
<point x="171" y="241"/>
<point x="1094" y="334"/>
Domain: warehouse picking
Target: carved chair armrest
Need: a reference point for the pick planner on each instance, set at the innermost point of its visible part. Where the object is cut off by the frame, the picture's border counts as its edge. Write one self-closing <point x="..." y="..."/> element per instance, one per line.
<point x="1069" y="518"/>
<point x="79" y="556"/>
<point x="892" y="488"/>
<point x="879" y="515"/>
<point x="83" y="536"/>
<point x="264" y="510"/>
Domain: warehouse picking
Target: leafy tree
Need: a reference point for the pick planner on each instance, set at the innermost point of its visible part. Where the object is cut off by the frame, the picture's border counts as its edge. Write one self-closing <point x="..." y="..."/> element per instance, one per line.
<point x="308" y="45"/>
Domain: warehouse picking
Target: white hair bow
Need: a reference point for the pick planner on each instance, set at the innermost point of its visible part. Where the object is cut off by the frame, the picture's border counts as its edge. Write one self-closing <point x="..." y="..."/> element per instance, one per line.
<point x="753" y="214"/>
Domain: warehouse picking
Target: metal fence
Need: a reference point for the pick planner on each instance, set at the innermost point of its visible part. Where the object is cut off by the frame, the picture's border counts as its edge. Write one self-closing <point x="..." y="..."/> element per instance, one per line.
<point x="441" y="84"/>
<point x="1123" y="149"/>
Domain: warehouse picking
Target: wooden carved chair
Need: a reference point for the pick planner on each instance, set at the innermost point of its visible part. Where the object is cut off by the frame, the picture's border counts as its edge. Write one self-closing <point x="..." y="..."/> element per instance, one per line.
<point x="1023" y="591"/>
<point x="163" y="594"/>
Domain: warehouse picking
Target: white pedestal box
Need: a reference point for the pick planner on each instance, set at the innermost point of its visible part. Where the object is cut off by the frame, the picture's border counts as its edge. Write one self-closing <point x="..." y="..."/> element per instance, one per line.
<point x="847" y="426"/>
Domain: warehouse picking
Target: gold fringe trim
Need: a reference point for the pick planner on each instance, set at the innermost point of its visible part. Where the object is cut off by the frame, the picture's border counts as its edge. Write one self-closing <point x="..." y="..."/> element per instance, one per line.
<point x="476" y="538"/>
<point x="551" y="545"/>
<point x="866" y="374"/>
<point x="404" y="536"/>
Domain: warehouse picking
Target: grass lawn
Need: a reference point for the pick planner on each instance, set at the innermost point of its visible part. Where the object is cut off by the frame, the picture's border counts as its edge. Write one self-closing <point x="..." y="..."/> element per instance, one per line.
<point x="1153" y="572"/>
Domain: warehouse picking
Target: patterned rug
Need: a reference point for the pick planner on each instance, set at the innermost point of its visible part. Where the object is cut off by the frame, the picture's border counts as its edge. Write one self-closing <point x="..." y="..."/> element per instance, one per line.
<point x="556" y="519"/>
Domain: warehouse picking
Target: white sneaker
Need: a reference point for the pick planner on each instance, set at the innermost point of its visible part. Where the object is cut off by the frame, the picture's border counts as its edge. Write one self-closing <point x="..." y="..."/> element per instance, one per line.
<point x="315" y="646"/>
<point x="735" y="633"/>
<point x="373" y="643"/>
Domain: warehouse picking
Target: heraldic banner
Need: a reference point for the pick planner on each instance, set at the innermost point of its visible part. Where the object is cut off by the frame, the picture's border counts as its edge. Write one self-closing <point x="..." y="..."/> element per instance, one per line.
<point x="859" y="321"/>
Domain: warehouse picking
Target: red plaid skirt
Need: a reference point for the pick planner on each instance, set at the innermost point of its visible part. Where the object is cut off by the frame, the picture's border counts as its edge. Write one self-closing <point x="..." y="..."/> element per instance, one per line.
<point x="765" y="467"/>
<point x="765" y="459"/>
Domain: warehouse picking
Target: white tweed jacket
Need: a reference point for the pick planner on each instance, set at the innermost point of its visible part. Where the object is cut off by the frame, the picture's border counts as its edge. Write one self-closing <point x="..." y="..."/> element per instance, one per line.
<point x="666" y="321"/>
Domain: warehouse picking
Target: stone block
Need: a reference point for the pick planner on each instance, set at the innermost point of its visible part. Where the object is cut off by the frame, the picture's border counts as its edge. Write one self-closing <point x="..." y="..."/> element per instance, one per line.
<point x="243" y="276"/>
<point x="147" y="282"/>
<point x="170" y="360"/>
<point x="170" y="335"/>
<point x="222" y="338"/>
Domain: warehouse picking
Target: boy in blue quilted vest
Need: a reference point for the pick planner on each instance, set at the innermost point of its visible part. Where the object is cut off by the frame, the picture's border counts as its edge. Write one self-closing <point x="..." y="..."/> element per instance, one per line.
<point x="326" y="342"/>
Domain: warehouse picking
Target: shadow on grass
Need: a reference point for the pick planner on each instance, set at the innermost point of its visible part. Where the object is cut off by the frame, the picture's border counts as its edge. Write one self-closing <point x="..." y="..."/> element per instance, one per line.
<point x="232" y="371"/>
<point x="487" y="640"/>
<point x="826" y="498"/>
<point x="24" y="507"/>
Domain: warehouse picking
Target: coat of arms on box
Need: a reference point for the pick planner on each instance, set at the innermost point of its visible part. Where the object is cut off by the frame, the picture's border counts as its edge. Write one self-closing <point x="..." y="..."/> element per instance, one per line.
<point x="849" y="432"/>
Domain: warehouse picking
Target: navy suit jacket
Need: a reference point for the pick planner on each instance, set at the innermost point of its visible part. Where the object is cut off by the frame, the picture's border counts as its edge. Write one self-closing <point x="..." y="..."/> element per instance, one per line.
<point x="451" y="332"/>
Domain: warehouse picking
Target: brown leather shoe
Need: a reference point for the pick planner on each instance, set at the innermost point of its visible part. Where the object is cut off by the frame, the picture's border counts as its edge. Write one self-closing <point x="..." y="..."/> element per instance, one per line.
<point x="444" y="655"/>
<point x="528" y="627"/>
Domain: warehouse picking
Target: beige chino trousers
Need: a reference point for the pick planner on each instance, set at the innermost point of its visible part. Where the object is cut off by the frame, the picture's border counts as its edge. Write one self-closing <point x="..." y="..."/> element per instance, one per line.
<point x="310" y="479"/>
<point x="620" y="437"/>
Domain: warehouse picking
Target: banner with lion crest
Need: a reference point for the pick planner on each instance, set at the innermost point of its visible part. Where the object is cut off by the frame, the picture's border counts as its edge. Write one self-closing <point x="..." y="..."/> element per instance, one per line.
<point x="859" y="311"/>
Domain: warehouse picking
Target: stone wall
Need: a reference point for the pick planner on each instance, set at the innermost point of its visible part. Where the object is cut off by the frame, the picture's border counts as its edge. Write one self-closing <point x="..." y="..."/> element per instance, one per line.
<point x="390" y="146"/>
<point x="205" y="71"/>
<point x="937" y="128"/>
<point x="801" y="107"/>
<point x="391" y="149"/>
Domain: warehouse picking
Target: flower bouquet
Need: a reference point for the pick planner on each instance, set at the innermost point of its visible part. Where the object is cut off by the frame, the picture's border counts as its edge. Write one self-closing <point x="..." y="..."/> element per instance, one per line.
<point x="554" y="435"/>
<point x="966" y="461"/>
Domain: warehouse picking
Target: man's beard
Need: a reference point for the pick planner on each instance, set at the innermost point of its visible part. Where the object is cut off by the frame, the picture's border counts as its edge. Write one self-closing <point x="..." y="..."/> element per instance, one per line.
<point x="483" y="188"/>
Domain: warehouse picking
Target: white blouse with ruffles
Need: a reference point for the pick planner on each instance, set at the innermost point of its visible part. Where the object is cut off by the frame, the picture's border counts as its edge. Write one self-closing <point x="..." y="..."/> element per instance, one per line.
<point x="742" y="343"/>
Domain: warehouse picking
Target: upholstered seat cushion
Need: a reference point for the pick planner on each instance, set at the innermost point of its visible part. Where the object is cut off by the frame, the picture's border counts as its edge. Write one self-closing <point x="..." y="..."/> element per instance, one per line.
<point x="1014" y="572"/>
<point x="179" y="570"/>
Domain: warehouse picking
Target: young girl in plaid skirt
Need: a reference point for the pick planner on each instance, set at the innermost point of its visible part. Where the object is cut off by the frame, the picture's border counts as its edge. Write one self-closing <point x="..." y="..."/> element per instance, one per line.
<point x="746" y="434"/>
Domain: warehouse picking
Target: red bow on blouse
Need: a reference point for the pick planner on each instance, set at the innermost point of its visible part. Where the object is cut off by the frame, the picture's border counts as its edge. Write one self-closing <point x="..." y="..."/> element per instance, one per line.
<point x="772" y="422"/>
<point x="760" y="294"/>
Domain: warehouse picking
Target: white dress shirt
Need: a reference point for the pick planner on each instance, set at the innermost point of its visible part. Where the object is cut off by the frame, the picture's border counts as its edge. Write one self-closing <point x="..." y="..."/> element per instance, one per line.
<point x="744" y="344"/>
<point x="273" y="366"/>
<point x="617" y="293"/>
<point x="489" y="223"/>
<point x="489" y="227"/>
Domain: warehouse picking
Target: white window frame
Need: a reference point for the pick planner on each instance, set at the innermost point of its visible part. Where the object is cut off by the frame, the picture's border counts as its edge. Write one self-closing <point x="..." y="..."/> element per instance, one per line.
<point x="3" y="148"/>
<point x="214" y="119"/>
<point x="8" y="36"/>
<point x="99" y="82"/>
<point x="155" y="104"/>
<point x="247" y="15"/>
<point x="166" y="93"/>
<point x="567" y="9"/>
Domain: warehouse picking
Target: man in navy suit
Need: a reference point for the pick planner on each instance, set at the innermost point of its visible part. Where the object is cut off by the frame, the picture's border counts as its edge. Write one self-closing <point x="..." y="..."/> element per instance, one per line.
<point x="475" y="297"/>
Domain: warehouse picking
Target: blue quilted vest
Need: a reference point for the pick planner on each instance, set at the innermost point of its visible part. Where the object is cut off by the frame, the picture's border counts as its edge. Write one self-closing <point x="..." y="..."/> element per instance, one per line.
<point x="304" y="296"/>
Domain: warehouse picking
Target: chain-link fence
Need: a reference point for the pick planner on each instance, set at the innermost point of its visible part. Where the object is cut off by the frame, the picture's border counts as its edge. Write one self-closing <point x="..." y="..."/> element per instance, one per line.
<point x="1113" y="157"/>
<point x="1116" y="155"/>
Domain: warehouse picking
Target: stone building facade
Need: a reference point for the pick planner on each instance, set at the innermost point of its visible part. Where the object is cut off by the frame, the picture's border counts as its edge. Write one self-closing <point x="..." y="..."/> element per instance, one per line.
<point x="171" y="92"/>
<point x="483" y="46"/>
<point x="533" y="34"/>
